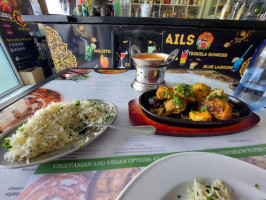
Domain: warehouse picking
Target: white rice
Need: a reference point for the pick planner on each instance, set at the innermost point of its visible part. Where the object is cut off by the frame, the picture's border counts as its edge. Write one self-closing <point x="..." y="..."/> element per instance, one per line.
<point x="216" y="191"/>
<point x="53" y="128"/>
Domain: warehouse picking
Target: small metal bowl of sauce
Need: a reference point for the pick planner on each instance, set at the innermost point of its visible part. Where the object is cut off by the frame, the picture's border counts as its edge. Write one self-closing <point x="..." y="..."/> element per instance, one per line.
<point x="152" y="59"/>
<point x="150" y="68"/>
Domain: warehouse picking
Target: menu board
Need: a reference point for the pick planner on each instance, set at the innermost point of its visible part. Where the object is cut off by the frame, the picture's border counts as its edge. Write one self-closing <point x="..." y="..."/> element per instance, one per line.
<point x="15" y="33"/>
<point x="228" y="51"/>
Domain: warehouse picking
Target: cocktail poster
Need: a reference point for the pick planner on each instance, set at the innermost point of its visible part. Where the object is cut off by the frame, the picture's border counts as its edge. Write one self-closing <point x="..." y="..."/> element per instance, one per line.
<point x="227" y="51"/>
<point x="15" y="33"/>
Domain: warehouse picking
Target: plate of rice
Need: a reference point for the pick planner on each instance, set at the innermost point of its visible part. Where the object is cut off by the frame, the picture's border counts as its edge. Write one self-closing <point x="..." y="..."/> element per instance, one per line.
<point x="54" y="131"/>
<point x="197" y="176"/>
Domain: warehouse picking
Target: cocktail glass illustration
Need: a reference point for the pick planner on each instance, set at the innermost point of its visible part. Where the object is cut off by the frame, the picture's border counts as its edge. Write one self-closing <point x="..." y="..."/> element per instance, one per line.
<point x="193" y="65"/>
<point x="104" y="61"/>
<point x="89" y="50"/>
<point x="237" y="64"/>
<point x="183" y="58"/>
<point x="239" y="61"/>
<point x="122" y="56"/>
<point x="151" y="49"/>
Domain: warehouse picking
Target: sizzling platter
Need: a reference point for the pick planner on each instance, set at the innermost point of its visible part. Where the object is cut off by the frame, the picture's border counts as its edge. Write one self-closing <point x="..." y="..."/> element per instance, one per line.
<point x="240" y="108"/>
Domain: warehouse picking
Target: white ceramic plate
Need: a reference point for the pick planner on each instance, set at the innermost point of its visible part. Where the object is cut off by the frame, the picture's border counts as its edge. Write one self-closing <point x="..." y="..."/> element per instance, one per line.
<point x="170" y="177"/>
<point x="49" y="156"/>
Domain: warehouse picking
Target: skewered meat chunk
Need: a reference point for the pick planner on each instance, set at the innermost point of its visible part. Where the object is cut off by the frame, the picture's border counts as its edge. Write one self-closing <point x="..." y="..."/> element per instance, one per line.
<point x="182" y="90"/>
<point x="219" y="108"/>
<point x="185" y="91"/>
<point x="175" y="105"/>
<point x="200" y="116"/>
<point x="201" y="91"/>
<point x="164" y="92"/>
<point x="191" y="99"/>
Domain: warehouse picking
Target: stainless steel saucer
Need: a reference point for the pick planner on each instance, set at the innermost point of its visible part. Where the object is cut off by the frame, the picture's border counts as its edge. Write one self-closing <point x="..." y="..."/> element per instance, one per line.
<point x="145" y="87"/>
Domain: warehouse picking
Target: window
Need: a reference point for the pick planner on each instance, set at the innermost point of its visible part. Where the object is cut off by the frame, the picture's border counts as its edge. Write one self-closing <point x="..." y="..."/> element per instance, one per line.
<point x="54" y="6"/>
<point x="9" y="79"/>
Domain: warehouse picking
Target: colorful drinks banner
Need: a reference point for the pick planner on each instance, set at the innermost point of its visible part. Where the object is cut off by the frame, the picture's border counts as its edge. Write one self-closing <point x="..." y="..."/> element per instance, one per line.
<point x="228" y="51"/>
<point x="15" y="33"/>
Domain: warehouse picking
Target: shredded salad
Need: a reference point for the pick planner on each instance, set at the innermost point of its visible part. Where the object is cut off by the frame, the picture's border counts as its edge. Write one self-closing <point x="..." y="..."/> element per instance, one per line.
<point x="215" y="191"/>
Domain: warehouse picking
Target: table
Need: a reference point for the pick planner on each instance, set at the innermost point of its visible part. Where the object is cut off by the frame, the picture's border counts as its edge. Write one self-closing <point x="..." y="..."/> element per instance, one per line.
<point x="117" y="155"/>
